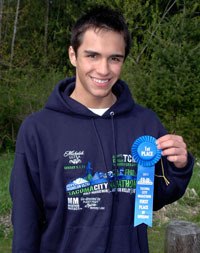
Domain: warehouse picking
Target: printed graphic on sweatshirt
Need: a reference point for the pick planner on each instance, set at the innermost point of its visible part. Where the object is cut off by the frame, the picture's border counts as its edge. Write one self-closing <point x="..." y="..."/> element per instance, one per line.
<point x="74" y="156"/>
<point x="81" y="191"/>
<point x="124" y="160"/>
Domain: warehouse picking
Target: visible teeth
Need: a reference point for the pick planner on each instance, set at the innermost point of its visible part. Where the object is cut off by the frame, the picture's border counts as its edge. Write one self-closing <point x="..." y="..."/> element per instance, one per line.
<point x="100" y="81"/>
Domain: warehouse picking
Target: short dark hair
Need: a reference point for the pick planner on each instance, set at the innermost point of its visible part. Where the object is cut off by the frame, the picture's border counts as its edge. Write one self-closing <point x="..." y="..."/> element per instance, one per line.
<point x="100" y="17"/>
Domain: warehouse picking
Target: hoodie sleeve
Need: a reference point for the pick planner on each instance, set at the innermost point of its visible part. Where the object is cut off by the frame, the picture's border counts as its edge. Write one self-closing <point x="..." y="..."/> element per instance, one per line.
<point x="27" y="213"/>
<point x="171" y="182"/>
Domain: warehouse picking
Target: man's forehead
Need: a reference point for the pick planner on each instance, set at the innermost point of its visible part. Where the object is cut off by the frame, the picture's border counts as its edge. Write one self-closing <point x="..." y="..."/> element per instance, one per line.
<point x="101" y="31"/>
<point x="103" y="39"/>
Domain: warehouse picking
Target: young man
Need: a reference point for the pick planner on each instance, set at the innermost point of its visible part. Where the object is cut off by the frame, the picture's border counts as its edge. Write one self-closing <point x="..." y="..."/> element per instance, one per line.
<point x="73" y="181"/>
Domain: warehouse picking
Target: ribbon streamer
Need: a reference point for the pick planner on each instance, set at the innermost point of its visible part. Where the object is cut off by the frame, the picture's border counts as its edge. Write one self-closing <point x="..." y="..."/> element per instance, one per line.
<point x="146" y="154"/>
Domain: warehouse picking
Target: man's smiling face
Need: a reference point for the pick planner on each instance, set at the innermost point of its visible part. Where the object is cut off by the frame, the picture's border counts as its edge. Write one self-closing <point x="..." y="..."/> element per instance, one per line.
<point x="98" y="63"/>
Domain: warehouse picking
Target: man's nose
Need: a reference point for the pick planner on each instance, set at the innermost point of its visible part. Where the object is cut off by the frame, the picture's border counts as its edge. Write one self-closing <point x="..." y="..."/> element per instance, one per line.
<point x="103" y="67"/>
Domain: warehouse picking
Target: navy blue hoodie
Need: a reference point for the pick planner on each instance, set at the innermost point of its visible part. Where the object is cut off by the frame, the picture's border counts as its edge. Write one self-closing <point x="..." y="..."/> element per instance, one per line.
<point x="73" y="180"/>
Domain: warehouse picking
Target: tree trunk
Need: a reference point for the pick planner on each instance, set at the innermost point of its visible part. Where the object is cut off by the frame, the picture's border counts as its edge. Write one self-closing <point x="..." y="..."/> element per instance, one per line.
<point x="1" y="17"/>
<point x="182" y="237"/>
<point x="14" y="32"/>
<point x="46" y="28"/>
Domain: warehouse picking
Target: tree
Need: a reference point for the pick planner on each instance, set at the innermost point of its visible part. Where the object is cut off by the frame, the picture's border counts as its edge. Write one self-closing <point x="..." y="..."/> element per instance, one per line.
<point x="1" y="17"/>
<point x="46" y="28"/>
<point x="162" y="70"/>
<point x="167" y="77"/>
<point x="14" y="32"/>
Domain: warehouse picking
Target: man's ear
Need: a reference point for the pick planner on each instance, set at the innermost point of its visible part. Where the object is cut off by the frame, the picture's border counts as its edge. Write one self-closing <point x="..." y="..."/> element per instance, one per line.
<point x="72" y="56"/>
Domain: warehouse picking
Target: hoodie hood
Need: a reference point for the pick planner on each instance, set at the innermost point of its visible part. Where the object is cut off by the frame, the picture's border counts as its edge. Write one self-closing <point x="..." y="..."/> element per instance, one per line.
<point x="60" y="100"/>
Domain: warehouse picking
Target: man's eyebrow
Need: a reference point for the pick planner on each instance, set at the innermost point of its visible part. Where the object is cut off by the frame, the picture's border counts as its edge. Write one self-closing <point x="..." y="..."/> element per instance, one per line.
<point x="91" y="52"/>
<point x="118" y="55"/>
<point x="96" y="53"/>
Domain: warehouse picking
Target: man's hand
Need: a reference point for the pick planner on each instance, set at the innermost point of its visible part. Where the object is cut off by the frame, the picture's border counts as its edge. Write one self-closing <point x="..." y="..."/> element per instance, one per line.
<point x="174" y="148"/>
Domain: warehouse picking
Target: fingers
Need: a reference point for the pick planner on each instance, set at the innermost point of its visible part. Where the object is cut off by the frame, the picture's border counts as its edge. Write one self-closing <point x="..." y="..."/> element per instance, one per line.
<point x="174" y="148"/>
<point x="170" y="140"/>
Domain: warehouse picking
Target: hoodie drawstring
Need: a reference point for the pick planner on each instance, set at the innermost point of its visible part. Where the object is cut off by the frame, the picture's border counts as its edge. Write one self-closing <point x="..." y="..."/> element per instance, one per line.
<point x="100" y="144"/>
<point x="114" y="147"/>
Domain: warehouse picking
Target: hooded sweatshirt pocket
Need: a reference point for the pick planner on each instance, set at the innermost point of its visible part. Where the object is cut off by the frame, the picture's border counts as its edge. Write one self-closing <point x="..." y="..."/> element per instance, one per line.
<point x="121" y="239"/>
<point x="86" y="240"/>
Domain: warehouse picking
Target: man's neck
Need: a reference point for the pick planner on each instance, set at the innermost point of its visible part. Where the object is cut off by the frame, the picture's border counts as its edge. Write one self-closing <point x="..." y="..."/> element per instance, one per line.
<point x="97" y="102"/>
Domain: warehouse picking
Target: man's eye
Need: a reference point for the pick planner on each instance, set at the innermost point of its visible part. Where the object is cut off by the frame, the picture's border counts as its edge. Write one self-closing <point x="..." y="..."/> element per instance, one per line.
<point x="116" y="59"/>
<point x="91" y="55"/>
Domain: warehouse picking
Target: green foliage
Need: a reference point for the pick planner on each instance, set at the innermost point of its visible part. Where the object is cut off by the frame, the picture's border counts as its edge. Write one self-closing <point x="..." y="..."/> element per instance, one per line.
<point x="163" y="68"/>
<point x="22" y="93"/>
<point x="167" y="77"/>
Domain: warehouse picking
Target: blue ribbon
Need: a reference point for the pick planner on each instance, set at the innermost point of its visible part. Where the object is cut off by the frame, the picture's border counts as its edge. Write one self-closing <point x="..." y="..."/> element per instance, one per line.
<point x="146" y="154"/>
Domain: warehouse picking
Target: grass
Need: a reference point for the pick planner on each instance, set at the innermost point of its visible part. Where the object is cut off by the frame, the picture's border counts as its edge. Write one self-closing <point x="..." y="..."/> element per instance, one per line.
<point x="187" y="208"/>
<point x="156" y="236"/>
<point x="5" y="245"/>
<point x="5" y="239"/>
<point x="6" y="161"/>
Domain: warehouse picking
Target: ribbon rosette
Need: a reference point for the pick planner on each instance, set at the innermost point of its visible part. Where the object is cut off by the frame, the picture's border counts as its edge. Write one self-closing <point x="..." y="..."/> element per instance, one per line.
<point x="146" y="154"/>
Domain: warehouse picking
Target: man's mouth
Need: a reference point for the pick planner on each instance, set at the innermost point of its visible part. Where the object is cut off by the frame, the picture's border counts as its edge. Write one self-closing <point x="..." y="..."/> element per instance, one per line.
<point x="100" y="81"/>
